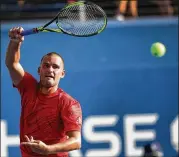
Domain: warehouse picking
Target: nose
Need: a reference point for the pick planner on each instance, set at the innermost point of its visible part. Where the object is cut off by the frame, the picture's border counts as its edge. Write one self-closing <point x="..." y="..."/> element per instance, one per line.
<point x="50" y="69"/>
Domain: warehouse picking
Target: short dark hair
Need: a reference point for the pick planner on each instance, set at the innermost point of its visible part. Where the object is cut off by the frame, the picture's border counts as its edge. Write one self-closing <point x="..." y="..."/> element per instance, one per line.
<point x="51" y="54"/>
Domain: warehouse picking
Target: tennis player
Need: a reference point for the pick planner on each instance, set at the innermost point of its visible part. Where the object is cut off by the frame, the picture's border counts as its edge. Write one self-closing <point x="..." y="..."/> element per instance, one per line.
<point x="51" y="120"/>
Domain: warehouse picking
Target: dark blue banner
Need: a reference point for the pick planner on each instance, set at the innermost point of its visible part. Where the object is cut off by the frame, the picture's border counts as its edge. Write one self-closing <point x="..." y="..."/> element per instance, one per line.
<point x="129" y="98"/>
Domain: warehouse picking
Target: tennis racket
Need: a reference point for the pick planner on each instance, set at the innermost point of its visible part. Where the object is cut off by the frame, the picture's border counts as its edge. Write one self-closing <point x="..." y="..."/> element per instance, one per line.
<point x="80" y="19"/>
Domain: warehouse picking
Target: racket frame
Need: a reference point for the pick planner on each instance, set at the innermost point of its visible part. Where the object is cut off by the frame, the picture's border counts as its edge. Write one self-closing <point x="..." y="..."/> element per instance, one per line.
<point x="60" y="29"/>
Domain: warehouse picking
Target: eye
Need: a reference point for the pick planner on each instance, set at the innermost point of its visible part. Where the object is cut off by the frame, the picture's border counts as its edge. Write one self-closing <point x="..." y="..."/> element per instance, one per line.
<point x="55" y="66"/>
<point x="46" y="65"/>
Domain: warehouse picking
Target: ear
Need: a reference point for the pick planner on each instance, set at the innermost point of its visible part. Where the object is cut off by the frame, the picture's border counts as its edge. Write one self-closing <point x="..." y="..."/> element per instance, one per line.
<point x="63" y="74"/>
<point x="38" y="70"/>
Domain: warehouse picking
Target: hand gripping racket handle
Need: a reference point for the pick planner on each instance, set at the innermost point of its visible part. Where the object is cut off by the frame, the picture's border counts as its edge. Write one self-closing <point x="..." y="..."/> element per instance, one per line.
<point x="29" y="31"/>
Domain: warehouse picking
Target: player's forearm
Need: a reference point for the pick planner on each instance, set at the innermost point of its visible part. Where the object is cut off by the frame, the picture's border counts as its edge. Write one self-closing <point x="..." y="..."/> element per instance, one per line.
<point x="71" y="144"/>
<point x="13" y="53"/>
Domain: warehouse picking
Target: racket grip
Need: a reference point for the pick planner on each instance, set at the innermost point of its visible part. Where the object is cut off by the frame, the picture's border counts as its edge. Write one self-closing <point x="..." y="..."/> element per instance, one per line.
<point x="29" y="31"/>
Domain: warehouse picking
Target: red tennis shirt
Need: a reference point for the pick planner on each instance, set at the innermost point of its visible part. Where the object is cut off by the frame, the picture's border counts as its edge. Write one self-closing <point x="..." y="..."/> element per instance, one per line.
<point x="46" y="117"/>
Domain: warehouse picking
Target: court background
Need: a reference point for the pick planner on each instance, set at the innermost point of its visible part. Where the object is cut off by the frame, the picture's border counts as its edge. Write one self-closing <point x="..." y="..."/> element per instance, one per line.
<point x="115" y="78"/>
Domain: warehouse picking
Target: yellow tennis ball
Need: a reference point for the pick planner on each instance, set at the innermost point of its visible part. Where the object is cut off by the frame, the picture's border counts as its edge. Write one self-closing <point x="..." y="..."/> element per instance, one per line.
<point x="158" y="49"/>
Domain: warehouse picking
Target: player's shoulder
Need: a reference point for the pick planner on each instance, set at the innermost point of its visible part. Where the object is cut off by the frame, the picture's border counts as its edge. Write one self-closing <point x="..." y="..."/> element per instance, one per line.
<point x="67" y="98"/>
<point x="29" y="75"/>
<point x="27" y="80"/>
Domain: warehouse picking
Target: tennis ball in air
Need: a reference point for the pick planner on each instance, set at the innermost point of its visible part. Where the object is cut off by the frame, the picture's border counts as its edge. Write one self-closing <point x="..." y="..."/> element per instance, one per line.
<point x="158" y="49"/>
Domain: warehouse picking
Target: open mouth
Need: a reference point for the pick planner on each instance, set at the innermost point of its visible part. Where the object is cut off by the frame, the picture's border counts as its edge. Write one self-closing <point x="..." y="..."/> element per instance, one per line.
<point x="49" y="77"/>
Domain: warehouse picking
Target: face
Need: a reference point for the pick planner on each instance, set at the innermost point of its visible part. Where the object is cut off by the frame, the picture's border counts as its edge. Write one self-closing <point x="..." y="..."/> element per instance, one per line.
<point x="51" y="71"/>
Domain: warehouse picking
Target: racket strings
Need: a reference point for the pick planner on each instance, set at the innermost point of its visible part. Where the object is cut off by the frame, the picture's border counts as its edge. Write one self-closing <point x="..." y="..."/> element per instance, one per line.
<point x="81" y="20"/>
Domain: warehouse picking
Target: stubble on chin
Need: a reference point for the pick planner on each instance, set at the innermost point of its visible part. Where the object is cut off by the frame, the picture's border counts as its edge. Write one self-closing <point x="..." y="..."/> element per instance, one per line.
<point x="47" y="84"/>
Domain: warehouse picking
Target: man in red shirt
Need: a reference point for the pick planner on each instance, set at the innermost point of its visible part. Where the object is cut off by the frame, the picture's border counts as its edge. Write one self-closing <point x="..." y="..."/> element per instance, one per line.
<point x="51" y="120"/>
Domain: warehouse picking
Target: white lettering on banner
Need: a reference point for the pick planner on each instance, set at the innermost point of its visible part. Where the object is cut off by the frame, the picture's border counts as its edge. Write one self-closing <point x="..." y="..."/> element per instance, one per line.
<point x="75" y="153"/>
<point x="132" y="136"/>
<point x="102" y="136"/>
<point x="7" y="140"/>
<point x="174" y="133"/>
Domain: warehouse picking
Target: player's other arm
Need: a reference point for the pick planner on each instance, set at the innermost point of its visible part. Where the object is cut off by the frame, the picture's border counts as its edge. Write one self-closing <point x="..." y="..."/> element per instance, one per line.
<point x="13" y="55"/>
<point x="72" y="143"/>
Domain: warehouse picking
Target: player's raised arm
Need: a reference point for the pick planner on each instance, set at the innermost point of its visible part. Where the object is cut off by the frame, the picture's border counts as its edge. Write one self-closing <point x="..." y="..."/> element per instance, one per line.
<point x="13" y="55"/>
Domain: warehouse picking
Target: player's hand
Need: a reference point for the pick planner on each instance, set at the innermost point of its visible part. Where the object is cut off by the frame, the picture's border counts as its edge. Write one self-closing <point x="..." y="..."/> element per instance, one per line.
<point x="36" y="146"/>
<point x="15" y="34"/>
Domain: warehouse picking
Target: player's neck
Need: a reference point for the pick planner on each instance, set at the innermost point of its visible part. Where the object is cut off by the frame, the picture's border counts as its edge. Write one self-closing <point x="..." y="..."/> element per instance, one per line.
<point x="47" y="91"/>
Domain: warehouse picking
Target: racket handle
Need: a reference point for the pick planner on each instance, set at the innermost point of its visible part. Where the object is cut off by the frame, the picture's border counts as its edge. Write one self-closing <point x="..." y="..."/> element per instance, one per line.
<point x="29" y="31"/>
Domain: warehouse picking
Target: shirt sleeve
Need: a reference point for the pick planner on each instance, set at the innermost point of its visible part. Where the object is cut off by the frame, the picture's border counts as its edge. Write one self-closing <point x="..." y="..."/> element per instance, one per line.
<point x="26" y="87"/>
<point x="72" y="117"/>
